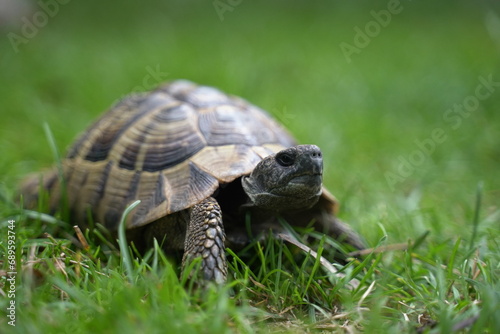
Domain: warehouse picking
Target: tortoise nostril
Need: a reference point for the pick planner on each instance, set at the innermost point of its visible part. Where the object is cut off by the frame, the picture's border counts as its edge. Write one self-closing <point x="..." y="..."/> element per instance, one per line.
<point x="316" y="154"/>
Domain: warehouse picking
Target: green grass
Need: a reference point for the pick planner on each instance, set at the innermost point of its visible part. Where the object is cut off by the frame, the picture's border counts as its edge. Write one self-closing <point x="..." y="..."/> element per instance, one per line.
<point x="367" y="116"/>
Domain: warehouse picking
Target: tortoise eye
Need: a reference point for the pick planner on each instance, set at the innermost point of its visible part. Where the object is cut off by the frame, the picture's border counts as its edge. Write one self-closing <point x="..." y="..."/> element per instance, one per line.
<point x="285" y="159"/>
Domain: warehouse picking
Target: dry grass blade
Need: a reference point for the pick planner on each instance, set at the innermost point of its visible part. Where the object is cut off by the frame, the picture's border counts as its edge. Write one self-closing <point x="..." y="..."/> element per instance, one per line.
<point x="465" y="323"/>
<point x="354" y="283"/>
<point x="380" y="249"/>
<point x="324" y="262"/>
<point x="363" y="297"/>
<point x="88" y="267"/>
<point x="81" y="237"/>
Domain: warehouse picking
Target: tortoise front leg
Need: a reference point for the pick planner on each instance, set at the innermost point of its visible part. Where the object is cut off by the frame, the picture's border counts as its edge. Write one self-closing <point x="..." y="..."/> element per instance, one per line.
<point x="205" y="238"/>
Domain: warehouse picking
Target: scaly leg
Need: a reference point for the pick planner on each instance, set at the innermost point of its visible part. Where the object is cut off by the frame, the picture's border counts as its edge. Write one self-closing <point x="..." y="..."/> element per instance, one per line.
<point x="205" y="238"/>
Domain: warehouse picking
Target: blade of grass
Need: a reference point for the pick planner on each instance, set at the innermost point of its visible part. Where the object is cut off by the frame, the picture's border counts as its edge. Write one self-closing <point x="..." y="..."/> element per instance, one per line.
<point x="318" y="260"/>
<point x="475" y="221"/>
<point x="52" y="144"/>
<point x="60" y="172"/>
<point x="419" y="240"/>
<point x="35" y="215"/>
<point x="122" y="242"/>
<point x="451" y="262"/>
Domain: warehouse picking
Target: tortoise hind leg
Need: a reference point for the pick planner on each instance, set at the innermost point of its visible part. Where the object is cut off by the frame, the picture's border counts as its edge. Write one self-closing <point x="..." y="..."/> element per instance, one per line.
<point x="205" y="238"/>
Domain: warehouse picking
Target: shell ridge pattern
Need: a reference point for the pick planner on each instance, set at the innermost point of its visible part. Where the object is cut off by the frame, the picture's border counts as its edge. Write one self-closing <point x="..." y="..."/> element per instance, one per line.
<point x="104" y="134"/>
<point x="126" y="103"/>
<point x="154" y="191"/>
<point x="163" y="140"/>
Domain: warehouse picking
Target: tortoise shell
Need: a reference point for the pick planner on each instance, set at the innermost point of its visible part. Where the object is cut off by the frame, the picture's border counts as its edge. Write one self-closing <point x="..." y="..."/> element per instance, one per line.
<point x="170" y="148"/>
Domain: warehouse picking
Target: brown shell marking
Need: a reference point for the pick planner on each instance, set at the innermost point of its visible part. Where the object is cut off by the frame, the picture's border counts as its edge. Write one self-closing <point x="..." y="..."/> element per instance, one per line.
<point x="170" y="148"/>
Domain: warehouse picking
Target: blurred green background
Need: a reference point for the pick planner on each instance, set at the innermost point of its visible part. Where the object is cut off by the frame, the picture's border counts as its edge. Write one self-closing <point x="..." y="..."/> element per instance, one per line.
<point x="366" y="110"/>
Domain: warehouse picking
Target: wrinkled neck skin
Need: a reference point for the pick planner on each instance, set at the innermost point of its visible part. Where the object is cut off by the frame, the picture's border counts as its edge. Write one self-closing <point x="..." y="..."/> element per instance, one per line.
<point x="266" y="201"/>
<point x="265" y="211"/>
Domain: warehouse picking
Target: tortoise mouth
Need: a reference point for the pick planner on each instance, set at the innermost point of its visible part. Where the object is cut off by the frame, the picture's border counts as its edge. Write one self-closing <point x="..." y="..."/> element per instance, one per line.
<point x="315" y="178"/>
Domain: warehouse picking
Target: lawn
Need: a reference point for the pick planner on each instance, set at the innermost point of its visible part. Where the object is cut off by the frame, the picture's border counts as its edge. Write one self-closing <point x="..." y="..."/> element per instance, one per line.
<point x="401" y="96"/>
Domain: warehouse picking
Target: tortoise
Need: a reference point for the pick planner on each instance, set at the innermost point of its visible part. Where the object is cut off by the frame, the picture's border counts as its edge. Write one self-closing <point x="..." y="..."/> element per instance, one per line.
<point x="200" y="161"/>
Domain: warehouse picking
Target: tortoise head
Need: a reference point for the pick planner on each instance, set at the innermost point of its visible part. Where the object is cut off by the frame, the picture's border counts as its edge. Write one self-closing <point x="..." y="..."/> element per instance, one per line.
<point x="288" y="180"/>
